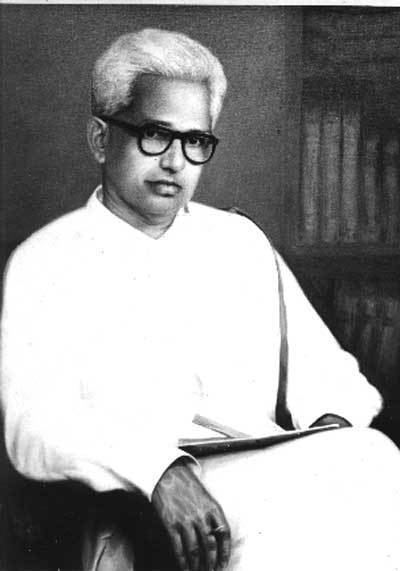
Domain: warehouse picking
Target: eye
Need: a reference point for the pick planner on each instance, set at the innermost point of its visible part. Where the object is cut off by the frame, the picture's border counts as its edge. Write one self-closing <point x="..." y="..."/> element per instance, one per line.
<point x="194" y="140"/>
<point x="154" y="132"/>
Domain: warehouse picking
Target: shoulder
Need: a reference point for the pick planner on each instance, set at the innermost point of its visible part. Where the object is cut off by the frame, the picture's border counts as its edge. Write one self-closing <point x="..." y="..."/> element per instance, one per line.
<point x="49" y="243"/>
<point x="231" y="229"/>
<point x="228" y="224"/>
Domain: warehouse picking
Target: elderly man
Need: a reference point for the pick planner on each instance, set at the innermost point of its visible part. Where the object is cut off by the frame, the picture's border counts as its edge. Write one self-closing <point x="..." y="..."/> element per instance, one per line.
<point x="125" y="319"/>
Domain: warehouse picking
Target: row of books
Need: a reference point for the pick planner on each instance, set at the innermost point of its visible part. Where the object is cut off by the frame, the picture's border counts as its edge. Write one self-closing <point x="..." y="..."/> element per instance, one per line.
<point x="367" y="316"/>
<point x="349" y="187"/>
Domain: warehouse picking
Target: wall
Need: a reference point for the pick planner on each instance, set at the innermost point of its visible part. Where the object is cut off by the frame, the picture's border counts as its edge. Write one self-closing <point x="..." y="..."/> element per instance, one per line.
<point x="47" y="54"/>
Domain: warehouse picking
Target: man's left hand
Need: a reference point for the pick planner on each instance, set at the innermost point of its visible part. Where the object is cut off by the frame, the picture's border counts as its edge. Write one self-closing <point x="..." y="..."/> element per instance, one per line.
<point x="331" y="419"/>
<point x="194" y="521"/>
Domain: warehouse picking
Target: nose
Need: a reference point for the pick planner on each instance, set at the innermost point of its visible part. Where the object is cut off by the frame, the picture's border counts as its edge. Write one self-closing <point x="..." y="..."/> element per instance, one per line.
<point x="173" y="159"/>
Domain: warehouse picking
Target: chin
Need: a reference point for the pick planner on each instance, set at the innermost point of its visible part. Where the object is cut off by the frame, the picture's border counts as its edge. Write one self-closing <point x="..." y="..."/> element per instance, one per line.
<point x="166" y="204"/>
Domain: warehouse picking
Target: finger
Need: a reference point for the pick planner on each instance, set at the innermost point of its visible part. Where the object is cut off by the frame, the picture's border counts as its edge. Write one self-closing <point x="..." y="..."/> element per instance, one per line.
<point x="179" y="551"/>
<point x="222" y="534"/>
<point x="224" y="547"/>
<point x="208" y="542"/>
<point x="191" y="547"/>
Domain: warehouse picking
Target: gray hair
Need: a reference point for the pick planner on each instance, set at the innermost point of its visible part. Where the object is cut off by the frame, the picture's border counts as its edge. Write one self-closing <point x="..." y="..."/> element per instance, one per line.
<point x="150" y="51"/>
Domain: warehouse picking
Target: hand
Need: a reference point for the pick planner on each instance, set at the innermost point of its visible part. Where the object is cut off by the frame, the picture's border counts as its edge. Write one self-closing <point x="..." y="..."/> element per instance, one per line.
<point x="194" y="521"/>
<point x="331" y="419"/>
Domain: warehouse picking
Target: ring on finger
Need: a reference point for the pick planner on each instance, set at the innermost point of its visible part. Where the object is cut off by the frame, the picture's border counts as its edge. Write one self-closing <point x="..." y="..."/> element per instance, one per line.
<point x="219" y="529"/>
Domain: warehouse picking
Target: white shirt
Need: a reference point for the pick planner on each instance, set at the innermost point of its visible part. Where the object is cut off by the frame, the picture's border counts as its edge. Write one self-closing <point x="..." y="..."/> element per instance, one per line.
<point x="112" y="341"/>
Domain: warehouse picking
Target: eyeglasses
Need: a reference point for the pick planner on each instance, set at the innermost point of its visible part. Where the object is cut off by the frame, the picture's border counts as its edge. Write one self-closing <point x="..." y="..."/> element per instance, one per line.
<point x="197" y="146"/>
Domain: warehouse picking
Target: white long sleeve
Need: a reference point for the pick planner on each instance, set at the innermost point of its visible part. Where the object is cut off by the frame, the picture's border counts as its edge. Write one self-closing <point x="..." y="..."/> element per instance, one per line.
<point x="322" y="378"/>
<point x="320" y="373"/>
<point x="112" y="341"/>
<point x="55" y="429"/>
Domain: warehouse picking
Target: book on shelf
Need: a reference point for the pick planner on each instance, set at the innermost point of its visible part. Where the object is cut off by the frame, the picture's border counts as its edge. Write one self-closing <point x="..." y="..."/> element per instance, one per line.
<point x="330" y="173"/>
<point x="350" y="173"/>
<point x="388" y="347"/>
<point x="390" y="187"/>
<point x="367" y="330"/>
<point x="370" y="192"/>
<point x="309" y="186"/>
<point x="346" y="307"/>
<point x="349" y="190"/>
<point x="368" y="325"/>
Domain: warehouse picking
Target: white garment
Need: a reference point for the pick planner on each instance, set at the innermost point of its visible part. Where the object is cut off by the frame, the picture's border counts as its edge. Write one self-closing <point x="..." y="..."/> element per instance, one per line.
<point x="112" y="341"/>
<point x="330" y="502"/>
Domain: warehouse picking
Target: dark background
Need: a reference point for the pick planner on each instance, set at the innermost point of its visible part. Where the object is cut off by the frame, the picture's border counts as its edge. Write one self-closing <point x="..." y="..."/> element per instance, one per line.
<point x="273" y="57"/>
<point x="47" y="56"/>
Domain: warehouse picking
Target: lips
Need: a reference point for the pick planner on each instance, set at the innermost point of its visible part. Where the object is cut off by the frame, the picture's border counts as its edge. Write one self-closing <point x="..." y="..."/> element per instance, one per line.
<point x="164" y="187"/>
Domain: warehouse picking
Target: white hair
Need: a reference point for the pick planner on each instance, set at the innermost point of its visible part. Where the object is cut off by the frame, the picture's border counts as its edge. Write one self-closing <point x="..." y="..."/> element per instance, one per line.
<point x="150" y="51"/>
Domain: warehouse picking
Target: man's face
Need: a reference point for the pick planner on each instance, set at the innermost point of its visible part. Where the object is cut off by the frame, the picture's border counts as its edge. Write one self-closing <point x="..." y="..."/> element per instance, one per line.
<point x="153" y="188"/>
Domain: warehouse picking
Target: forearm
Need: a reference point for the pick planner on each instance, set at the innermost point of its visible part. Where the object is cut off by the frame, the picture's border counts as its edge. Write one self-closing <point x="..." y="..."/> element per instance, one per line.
<point x="54" y="430"/>
<point x="52" y="443"/>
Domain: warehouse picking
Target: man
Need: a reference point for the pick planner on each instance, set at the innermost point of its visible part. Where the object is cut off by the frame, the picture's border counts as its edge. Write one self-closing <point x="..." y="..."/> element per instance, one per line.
<point x="124" y="320"/>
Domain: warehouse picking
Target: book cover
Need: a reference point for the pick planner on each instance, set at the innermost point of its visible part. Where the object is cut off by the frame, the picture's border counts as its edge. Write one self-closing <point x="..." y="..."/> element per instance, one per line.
<point x="330" y="173"/>
<point x="218" y="445"/>
<point x="367" y="329"/>
<point x="309" y="189"/>
<point x="346" y="304"/>
<point x="390" y="187"/>
<point x="350" y="172"/>
<point x="371" y="190"/>
<point x="388" y="350"/>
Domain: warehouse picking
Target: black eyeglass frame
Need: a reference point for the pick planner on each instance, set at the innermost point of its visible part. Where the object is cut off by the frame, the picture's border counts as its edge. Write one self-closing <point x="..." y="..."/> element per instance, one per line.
<point x="138" y="131"/>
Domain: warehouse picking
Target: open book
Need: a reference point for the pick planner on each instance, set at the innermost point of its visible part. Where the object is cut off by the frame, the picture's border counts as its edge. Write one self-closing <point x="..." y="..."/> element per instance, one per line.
<point x="230" y="440"/>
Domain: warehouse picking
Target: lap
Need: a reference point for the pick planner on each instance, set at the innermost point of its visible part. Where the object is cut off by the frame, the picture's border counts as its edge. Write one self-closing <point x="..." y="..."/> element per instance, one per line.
<point x="288" y="505"/>
<point x="327" y="501"/>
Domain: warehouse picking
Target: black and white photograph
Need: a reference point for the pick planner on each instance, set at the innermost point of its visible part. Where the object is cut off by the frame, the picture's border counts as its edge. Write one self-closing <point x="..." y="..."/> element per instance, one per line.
<point x="199" y="276"/>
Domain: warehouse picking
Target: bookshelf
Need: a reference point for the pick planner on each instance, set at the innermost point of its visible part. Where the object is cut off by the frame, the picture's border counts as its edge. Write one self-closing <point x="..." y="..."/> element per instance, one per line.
<point x="342" y="231"/>
<point x="348" y="193"/>
<point x="332" y="264"/>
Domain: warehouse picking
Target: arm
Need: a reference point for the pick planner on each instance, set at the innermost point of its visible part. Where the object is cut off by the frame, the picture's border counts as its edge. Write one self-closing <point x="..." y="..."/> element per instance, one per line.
<point x="324" y="382"/>
<point x="52" y="433"/>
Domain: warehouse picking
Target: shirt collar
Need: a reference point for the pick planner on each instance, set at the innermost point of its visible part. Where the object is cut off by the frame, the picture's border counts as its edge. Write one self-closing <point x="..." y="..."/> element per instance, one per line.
<point x="108" y="223"/>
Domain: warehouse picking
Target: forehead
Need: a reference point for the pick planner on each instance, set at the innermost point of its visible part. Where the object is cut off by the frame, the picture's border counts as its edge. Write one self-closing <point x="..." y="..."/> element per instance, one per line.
<point x="179" y="104"/>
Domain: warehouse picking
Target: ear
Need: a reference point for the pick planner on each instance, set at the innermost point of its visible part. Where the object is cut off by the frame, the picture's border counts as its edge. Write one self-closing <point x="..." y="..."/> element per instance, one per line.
<point x="97" y="137"/>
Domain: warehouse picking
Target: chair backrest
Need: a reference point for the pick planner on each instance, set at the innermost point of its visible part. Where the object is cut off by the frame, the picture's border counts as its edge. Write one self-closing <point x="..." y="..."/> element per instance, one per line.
<point x="282" y="413"/>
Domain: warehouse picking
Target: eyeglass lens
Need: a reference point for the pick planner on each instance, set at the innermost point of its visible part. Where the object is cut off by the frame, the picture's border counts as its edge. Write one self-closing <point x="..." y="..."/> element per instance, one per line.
<point x="197" y="148"/>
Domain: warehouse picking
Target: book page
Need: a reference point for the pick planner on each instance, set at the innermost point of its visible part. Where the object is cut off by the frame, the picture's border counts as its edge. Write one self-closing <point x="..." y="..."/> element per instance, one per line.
<point x="223" y="445"/>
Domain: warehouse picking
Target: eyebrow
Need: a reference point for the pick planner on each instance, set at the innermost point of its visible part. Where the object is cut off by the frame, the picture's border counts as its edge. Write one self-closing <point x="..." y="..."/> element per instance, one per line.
<point x="157" y="122"/>
<point x="168" y="125"/>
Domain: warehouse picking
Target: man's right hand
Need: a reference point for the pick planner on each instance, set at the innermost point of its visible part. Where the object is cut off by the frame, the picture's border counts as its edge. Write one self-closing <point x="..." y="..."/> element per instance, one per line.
<point x="195" y="522"/>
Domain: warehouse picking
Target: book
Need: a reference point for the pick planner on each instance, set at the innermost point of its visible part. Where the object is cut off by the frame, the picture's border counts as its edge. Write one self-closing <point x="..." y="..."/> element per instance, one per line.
<point x="390" y="188"/>
<point x="367" y="333"/>
<point x="350" y="172"/>
<point x="388" y="349"/>
<point x="218" y="445"/>
<point x="330" y="173"/>
<point x="309" y="183"/>
<point x="370" y="191"/>
<point x="346" y="307"/>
